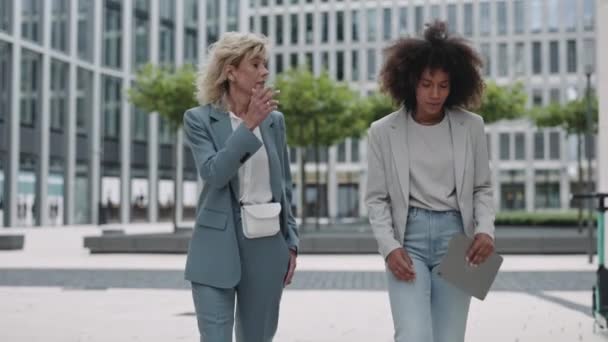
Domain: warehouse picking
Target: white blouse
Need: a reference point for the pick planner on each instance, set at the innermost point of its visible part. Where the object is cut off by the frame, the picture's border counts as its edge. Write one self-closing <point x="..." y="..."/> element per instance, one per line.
<point x="254" y="174"/>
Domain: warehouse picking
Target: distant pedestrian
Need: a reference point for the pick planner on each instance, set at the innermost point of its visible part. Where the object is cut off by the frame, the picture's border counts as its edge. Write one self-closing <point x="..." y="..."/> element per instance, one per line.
<point x="428" y="179"/>
<point x="245" y="241"/>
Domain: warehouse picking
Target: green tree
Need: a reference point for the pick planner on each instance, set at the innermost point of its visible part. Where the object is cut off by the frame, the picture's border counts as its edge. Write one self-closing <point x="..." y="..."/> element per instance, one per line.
<point x="502" y="102"/>
<point x="377" y="106"/>
<point x="572" y="118"/>
<point x="318" y="111"/>
<point x="169" y="92"/>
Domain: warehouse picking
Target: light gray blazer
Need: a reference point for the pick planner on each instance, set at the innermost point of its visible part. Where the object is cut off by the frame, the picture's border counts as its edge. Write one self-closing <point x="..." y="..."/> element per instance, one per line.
<point x="387" y="196"/>
<point x="213" y="255"/>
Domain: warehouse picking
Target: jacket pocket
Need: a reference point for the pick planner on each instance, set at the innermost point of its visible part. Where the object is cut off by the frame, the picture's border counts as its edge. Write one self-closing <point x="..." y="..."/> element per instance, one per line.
<point x="209" y="218"/>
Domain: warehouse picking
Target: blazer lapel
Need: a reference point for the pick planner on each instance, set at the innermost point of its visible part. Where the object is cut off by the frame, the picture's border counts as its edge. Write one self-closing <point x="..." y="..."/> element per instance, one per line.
<point x="267" y="129"/>
<point x="398" y="139"/>
<point x="459" y="145"/>
<point x="222" y="128"/>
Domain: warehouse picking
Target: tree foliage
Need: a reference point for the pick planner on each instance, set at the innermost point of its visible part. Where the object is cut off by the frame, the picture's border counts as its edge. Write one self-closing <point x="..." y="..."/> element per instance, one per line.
<point x="165" y="90"/>
<point x="502" y="102"/>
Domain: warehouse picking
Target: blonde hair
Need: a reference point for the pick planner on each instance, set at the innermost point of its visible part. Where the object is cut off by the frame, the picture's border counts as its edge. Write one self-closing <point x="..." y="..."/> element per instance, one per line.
<point x="231" y="49"/>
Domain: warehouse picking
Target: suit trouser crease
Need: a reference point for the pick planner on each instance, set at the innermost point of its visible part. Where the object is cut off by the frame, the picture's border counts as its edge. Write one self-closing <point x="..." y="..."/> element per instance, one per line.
<point x="264" y="263"/>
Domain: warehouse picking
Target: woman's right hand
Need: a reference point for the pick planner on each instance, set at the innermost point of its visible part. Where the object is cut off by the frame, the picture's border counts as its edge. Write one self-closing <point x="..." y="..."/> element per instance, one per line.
<point x="260" y="106"/>
<point x="400" y="263"/>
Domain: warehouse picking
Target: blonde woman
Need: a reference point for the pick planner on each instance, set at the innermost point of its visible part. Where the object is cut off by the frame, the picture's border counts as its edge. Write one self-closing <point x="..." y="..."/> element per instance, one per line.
<point x="245" y="241"/>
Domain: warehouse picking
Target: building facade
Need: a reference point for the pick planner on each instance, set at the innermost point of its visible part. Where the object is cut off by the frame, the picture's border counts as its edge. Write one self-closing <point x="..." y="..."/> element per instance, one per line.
<point x="75" y="151"/>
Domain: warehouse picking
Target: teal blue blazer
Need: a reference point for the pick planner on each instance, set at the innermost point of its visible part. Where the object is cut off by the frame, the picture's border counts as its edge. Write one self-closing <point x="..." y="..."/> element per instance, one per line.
<point x="218" y="151"/>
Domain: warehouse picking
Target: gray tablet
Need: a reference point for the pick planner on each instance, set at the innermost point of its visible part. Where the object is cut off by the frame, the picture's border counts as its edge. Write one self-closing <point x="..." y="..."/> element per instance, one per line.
<point x="475" y="281"/>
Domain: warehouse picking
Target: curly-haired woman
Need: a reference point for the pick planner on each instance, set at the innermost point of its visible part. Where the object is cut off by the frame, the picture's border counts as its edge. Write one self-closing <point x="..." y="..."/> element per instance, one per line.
<point x="429" y="178"/>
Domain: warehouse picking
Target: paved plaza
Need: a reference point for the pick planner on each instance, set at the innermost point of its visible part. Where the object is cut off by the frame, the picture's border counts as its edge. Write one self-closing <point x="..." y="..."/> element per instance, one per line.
<point x="54" y="291"/>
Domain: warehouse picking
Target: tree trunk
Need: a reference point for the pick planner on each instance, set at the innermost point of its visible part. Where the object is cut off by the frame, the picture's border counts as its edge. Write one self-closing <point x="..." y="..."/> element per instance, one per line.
<point x="317" y="180"/>
<point x="579" y="163"/>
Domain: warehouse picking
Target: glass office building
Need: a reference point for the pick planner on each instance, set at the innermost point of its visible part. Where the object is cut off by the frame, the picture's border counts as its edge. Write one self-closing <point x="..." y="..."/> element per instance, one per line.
<point x="74" y="150"/>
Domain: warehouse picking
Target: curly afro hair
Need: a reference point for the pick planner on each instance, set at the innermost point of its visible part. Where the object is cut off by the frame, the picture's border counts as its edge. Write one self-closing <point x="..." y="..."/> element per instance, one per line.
<point x="407" y="58"/>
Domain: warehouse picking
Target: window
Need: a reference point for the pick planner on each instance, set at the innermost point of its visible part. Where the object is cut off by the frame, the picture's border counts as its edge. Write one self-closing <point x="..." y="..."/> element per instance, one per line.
<point x="324" y="27"/>
<point x="294" y="28"/>
<point x="191" y="32"/>
<point x="505" y="146"/>
<point x="309" y="28"/>
<point x="310" y="62"/>
<point x="341" y="152"/>
<point x="546" y="184"/>
<point x="537" y="97"/>
<point x="59" y="94"/>
<point x="112" y="35"/>
<point x="141" y="37"/>
<point x="355" y="25"/>
<point x="166" y="35"/>
<point x="59" y="25"/>
<point x="403" y="21"/>
<point x="555" y="95"/>
<point x="519" y="62"/>
<point x="31" y="20"/>
<point x="111" y="107"/>
<point x="589" y="15"/>
<point x="84" y="100"/>
<point x="354" y="150"/>
<point x="325" y="61"/>
<point x="553" y="57"/>
<point x="232" y="15"/>
<point x="387" y="24"/>
<point x="419" y="19"/>
<point x="571" y="56"/>
<point x="293" y="60"/>
<point x="340" y="65"/>
<point x="348" y="200"/>
<point x="5" y="79"/>
<point x="501" y="17"/>
<point x="486" y="55"/>
<point x="213" y="21"/>
<point x="371" y="64"/>
<point x="539" y="145"/>
<point x="165" y="134"/>
<point x="484" y="18"/>
<point x="355" y="65"/>
<point x="520" y="146"/>
<point x="340" y="26"/>
<point x="468" y="19"/>
<point x="452" y="18"/>
<point x="434" y="12"/>
<point x="536" y="16"/>
<point x="519" y="16"/>
<point x="139" y="125"/>
<point x="553" y="15"/>
<point x="6" y="15"/>
<point x="554" y="145"/>
<point x="537" y="59"/>
<point x="569" y="12"/>
<point x="372" y="25"/>
<point x="503" y="63"/>
<point x="278" y="60"/>
<point x="264" y="25"/>
<point x="589" y="48"/>
<point x="30" y="86"/>
<point x="278" y="36"/>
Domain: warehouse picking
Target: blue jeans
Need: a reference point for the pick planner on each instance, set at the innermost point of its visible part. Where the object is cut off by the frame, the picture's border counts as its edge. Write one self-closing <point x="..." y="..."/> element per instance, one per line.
<point x="428" y="309"/>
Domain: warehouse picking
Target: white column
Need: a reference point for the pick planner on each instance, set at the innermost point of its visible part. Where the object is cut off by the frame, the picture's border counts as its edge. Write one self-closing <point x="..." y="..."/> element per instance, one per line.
<point x="126" y="113"/>
<point x="179" y="135"/>
<point x="43" y="127"/>
<point x="332" y="184"/>
<point x="69" y="168"/>
<point x="13" y="127"/>
<point x="95" y="122"/>
<point x="153" y="122"/>
<point x="563" y="172"/>
<point x="602" y="81"/>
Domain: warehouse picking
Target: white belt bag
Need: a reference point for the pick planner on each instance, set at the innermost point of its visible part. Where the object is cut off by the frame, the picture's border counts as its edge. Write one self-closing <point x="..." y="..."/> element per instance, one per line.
<point x="260" y="220"/>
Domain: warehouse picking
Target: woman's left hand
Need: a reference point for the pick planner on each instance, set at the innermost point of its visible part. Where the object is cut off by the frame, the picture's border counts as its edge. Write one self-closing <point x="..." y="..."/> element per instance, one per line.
<point x="291" y="268"/>
<point x="480" y="249"/>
